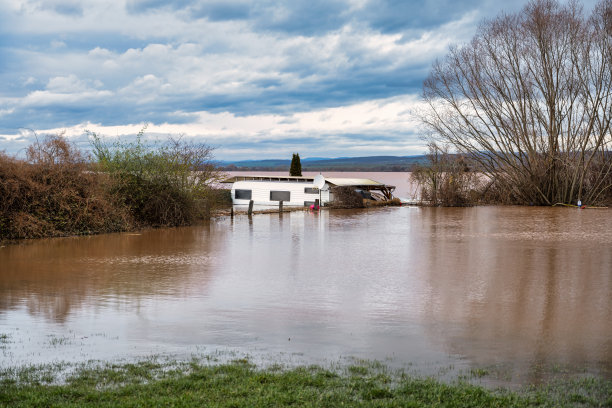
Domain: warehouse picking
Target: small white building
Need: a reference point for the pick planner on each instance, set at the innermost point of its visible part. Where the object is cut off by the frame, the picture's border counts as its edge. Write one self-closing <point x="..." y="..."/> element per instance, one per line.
<point x="298" y="191"/>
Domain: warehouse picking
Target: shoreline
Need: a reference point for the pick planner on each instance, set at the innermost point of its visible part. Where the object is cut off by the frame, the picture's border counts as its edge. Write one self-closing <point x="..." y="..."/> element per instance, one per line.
<point x="225" y="212"/>
<point x="220" y="213"/>
<point x="240" y="383"/>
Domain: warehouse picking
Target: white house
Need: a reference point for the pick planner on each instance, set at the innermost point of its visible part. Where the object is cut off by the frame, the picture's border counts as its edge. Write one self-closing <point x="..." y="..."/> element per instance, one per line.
<point x="298" y="191"/>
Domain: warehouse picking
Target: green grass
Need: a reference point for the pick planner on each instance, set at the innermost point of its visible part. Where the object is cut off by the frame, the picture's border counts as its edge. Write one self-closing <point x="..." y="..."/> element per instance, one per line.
<point x="59" y="340"/>
<point x="241" y="384"/>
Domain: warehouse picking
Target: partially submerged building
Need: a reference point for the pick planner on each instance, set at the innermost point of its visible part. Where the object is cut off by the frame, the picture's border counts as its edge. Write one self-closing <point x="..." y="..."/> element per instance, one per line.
<point x="301" y="191"/>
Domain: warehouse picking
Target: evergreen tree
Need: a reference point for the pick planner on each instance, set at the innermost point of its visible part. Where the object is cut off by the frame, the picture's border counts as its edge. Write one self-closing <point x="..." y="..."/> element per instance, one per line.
<point x="296" y="166"/>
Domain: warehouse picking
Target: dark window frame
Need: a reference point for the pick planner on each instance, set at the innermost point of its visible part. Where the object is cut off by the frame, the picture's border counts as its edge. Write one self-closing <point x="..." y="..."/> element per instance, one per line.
<point x="313" y="190"/>
<point x="278" y="195"/>
<point x="238" y="192"/>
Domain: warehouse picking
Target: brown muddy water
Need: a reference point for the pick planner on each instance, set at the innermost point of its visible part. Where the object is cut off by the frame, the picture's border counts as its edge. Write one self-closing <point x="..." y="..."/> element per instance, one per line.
<point x="521" y="292"/>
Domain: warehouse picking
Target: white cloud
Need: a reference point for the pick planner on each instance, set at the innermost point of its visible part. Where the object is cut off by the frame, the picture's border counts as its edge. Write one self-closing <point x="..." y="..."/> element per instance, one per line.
<point x="99" y="52"/>
<point x="58" y="44"/>
<point x="278" y="136"/>
<point x="230" y="80"/>
<point x="71" y="84"/>
<point x="48" y="98"/>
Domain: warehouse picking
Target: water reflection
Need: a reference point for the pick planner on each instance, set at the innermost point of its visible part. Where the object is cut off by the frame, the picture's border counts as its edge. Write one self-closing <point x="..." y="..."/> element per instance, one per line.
<point x="513" y="287"/>
<point x="526" y="288"/>
<point x="54" y="276"/>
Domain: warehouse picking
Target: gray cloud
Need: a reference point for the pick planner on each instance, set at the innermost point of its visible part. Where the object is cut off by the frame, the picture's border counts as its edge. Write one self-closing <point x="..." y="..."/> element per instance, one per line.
<point x="222" y="10"/>
<point x="144" y="6"/>
<point x="65" y="62"/>
<point x="392" y="16"/>
<point x="315" y="17"/>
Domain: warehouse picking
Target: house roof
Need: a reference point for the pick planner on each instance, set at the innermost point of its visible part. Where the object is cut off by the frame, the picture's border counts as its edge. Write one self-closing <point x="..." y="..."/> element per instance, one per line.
<point x="338" y="181"/>
<point x="334" y="181"/>
<point x="254" y="177"/>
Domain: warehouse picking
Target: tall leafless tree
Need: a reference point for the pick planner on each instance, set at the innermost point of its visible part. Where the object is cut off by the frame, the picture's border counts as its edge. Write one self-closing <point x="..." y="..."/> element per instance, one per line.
<point x="530" y="100"/>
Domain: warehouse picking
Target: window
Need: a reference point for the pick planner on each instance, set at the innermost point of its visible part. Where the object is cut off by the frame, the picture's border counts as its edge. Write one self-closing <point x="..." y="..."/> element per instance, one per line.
<point x="242" y="194"/>
<point x="280" y="195"/>
<point x="311" y="190"/>
<point x="308" y="203"/>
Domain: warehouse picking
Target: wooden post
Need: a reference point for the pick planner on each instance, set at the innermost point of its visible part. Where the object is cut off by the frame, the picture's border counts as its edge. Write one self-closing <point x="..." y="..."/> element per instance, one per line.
<point x="250" y="212"/>
<point x="280" y="206"/>
<point x="232" y="212"/>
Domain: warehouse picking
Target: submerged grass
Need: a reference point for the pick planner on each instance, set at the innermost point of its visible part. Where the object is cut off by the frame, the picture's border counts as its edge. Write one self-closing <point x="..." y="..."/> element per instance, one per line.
<point x="241" y="384"/>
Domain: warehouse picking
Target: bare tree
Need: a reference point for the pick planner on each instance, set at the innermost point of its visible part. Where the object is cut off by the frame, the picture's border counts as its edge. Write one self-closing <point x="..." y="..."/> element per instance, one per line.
<point x="530" y="100"/>
<point x="162" y="184"/>
<point x="446" y="179"/>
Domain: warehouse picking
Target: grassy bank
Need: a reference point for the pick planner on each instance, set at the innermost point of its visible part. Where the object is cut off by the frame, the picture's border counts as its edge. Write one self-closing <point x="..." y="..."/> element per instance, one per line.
<point x="240" y="384"/>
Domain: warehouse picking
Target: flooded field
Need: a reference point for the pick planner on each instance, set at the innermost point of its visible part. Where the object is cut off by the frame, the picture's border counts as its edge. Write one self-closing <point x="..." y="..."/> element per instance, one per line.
<point x="523" y="292"/>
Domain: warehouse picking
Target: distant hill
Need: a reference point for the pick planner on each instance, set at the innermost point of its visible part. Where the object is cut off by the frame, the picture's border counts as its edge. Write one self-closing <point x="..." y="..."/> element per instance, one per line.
<point x="368" y="163"/>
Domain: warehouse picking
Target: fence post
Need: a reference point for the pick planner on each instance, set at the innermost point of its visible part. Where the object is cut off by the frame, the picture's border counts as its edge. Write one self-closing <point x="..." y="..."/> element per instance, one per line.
<point x="250" y="212"/>
<point x="280" y="206"/>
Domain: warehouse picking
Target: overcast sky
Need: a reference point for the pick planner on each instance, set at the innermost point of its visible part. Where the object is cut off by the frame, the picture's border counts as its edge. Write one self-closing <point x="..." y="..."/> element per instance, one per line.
<point x="255" y="79"/>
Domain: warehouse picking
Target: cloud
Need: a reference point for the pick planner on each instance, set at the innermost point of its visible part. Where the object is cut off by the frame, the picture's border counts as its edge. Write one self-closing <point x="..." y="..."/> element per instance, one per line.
<point x="143" y="6"/>
<point x="274" y="65"/>
<point x="71" y="84"/>
<point x="72" y="8"/>
<point x="378" y="126"/>
<point x="394" y="16"/>
<point x="222" y="10"/>
<point x="317" y="17"/>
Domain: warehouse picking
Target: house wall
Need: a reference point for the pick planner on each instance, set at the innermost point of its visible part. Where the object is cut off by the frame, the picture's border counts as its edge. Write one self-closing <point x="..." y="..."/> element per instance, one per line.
<point x="326" y="195"/>
<point x="260" y="192"/>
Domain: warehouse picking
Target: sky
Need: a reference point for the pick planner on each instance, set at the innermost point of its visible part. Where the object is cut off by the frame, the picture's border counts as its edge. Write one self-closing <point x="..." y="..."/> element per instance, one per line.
<point x="253" y="79"/>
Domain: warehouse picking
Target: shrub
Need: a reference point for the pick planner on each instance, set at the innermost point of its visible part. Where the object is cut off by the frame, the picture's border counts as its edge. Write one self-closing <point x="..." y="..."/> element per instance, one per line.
<point x="217" y="198"/>
<point x="446" y="179"/>
<point x="162" y="185"/>
<point x="346" y="197"/>
<point x="394" y="202"/>
<point x="51" y="193"/>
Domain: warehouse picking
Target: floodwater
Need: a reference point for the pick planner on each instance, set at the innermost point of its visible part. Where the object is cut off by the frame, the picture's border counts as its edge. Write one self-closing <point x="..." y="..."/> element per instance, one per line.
<point x="519" y="291"/>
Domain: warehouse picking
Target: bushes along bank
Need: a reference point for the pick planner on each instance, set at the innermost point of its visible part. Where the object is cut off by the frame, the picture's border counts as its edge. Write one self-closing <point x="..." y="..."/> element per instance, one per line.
<point x="57" y="191"/>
